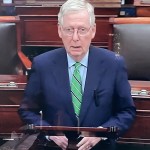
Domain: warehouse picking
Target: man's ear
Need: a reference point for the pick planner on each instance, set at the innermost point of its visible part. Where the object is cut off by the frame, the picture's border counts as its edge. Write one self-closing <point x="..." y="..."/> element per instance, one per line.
<point x="93" y="31"/>
<point x="59" y="31"/>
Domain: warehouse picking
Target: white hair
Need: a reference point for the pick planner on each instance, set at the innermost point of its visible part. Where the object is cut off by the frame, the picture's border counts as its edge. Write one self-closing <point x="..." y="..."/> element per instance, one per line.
<point x="76" y="5"/>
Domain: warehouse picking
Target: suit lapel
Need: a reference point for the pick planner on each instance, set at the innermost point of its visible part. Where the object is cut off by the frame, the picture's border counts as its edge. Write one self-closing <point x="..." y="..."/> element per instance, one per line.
<point x="94" y="76"/>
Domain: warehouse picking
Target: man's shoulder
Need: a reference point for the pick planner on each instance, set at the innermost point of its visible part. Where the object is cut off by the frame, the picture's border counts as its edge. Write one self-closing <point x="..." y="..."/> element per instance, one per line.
<point x="106" y="55"/>
<point x="103" y="52"/>
<point x="50" y="54"/>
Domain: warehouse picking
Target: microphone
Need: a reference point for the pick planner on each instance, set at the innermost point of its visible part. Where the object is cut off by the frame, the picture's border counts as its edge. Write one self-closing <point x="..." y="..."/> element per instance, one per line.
<point x="96" y="98"/>
<point x="41" y="119"/>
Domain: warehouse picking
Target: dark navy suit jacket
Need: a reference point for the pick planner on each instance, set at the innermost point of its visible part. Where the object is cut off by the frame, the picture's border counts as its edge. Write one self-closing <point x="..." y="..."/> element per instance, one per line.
<point x="106" y="100"/>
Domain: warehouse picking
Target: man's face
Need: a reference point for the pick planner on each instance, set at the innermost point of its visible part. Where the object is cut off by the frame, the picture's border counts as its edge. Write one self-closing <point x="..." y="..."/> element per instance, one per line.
<point x="76" y="33"/>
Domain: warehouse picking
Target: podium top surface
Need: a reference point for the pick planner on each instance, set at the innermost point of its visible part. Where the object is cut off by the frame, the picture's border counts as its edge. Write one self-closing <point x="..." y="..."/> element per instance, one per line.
<point x="76" y="129"/>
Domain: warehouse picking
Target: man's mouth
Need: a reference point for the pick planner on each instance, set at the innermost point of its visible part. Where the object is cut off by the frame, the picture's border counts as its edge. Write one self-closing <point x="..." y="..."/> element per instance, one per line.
<point x="75" y="46"/>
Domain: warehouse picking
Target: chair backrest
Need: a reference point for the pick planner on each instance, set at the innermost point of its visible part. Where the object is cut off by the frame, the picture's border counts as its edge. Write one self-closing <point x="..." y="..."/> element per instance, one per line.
<point x="131" y="39"/>
<point x="8" y="45"/>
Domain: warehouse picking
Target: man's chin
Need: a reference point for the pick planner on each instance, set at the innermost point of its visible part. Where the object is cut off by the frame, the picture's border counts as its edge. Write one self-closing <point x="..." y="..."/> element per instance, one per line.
<point x="76" y="54"/>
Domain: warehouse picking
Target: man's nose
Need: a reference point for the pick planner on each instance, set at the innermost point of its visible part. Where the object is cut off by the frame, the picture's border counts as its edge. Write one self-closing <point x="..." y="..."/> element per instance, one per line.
<point x="75" y="35"/>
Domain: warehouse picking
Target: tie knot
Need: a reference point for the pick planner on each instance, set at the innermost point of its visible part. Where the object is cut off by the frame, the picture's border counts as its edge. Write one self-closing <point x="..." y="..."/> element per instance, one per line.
<point x="77" y="65"/>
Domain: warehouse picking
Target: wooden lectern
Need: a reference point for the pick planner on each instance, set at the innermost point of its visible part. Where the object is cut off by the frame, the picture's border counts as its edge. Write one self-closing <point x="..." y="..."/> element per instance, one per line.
<point x="74" y="134"/>
<point x="34" y="137"/>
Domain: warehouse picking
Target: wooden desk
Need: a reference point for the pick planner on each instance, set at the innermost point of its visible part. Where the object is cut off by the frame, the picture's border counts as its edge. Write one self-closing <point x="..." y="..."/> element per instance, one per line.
<point x="10" y="98"/>
<point x="142" y="8"/>
<point x="140" y="131"/>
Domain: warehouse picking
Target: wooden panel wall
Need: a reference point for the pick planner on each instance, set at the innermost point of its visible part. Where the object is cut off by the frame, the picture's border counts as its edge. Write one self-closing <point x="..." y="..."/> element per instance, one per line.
<point x="39" y="25"/>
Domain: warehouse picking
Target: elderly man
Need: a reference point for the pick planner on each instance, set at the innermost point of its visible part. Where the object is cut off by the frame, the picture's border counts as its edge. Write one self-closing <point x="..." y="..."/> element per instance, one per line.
<point x="78" y="85"/>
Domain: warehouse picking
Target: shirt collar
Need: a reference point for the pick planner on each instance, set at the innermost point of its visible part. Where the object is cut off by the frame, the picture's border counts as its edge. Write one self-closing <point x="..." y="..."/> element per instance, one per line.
<point x="84" y="60"/>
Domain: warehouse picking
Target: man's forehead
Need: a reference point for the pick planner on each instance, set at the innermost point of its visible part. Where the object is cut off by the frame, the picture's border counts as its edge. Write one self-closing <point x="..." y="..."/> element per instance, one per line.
<point x="76" y="18"/>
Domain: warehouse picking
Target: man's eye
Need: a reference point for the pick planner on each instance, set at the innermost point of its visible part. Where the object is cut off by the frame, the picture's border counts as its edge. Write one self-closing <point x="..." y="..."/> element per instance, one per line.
<point x="69" y="30"/>
<point x="82" y="29"/>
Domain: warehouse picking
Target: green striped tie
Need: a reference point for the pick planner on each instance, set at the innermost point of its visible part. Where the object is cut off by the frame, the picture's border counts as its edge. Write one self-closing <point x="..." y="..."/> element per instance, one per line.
<point x="76" y="89"/>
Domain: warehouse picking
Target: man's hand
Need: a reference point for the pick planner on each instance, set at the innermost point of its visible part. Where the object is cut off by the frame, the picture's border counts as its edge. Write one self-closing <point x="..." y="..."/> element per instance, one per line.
<point x="61" y="141"/>
<point x="88" y="142"/>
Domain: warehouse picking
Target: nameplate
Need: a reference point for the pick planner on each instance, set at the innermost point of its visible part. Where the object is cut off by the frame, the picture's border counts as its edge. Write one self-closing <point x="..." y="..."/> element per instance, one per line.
<point x="9" y="85"/>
